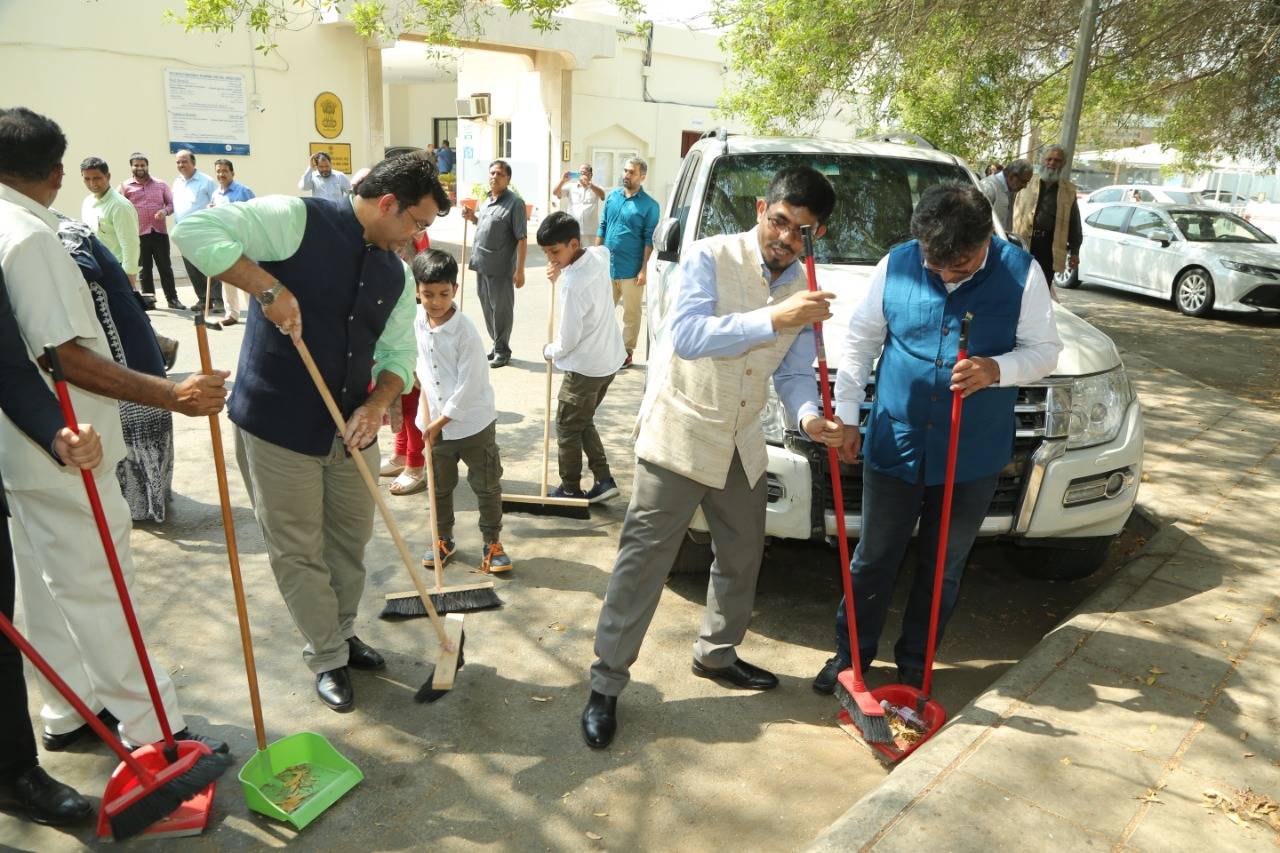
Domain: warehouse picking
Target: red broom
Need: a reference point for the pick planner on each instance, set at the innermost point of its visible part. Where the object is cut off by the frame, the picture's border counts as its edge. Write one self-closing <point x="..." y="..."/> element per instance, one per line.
<point x="863" y="709"/>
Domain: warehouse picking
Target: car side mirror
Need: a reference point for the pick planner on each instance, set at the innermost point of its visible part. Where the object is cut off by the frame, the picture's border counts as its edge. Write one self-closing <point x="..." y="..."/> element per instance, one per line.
<point x="1161" y="236"/>
<point x="1016" y="240"/>
<point x="666" y="239"/>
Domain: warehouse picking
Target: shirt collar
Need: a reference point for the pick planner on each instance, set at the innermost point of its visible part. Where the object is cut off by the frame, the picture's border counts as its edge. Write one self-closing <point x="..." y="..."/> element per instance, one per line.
<point x="45" y="215"/>
<point x="448" y="327"/>
<point x="789" y="273"/>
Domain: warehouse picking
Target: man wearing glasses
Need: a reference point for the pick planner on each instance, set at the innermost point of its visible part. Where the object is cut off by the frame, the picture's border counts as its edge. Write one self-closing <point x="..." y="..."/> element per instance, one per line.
<point x="743" y="314"/>
<point x="335" y="262"/>
<point x="910" y="320"/>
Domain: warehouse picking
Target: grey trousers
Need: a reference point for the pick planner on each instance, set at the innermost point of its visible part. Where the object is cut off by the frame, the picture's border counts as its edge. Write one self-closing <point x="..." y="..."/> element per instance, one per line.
<point x="498" y="301"/>
<point x="316" y="516"/>
<point x="662" y="503"/>
<point x="484" y="475"/>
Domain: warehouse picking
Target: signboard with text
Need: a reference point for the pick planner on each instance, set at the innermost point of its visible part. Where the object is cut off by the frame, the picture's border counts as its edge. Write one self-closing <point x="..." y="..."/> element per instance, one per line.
<point x="206" y="111"/>
<point x="339" y="154"/>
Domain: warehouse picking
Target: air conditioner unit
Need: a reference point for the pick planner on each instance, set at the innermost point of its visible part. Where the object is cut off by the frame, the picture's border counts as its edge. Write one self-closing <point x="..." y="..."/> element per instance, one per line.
<point x="476" y="106"/>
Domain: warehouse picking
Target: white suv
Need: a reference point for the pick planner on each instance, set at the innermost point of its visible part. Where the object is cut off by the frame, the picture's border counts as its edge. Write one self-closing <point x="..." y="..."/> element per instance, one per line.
<point x="1077" y="461"/>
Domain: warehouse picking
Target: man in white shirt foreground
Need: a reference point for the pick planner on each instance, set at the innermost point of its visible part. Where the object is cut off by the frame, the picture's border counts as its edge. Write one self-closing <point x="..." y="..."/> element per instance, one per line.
<point x="911" y="320"/>
<point x="587" y="349"/>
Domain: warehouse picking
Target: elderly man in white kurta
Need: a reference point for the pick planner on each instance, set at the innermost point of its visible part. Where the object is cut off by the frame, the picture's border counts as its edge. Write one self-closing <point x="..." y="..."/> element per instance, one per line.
<point x="742" y="314"/>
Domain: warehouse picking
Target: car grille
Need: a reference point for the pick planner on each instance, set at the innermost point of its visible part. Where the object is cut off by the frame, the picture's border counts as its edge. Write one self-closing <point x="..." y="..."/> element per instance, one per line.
<point x="1029" y="416"/>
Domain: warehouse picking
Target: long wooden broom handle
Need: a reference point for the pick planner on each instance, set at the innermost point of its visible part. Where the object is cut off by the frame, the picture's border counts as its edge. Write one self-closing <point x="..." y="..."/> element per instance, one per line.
<point x="546" y="423"/>
<point x="233" y="552"/>
<point x="431" y="488"/>
<point x="336" y="413"/>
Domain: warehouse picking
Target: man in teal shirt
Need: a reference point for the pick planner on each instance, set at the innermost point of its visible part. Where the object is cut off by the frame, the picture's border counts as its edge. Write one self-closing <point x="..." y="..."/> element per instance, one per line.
<point x="112" y="217"/>
<point x="626" y="230"/>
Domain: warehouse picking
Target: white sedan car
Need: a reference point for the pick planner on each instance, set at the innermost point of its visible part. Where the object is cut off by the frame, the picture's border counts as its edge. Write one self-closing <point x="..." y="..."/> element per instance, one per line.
<point x="1202" y="258"/>
<point x="1138" y="193"/>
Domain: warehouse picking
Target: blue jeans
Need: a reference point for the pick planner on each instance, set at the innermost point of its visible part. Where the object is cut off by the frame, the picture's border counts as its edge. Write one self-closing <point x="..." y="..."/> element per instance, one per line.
<point x="890" y="509"/>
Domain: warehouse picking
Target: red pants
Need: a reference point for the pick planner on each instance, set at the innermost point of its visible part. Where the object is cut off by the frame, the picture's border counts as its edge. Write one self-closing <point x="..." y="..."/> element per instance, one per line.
<point x="409" y="442"/>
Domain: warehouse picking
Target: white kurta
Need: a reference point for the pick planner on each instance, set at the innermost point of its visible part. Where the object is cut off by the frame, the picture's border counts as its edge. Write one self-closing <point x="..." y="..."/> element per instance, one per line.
<point x="73" y="616"/>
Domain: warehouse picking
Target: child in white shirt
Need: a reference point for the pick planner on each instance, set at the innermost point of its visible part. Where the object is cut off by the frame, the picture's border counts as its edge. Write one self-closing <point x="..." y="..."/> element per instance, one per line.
<point x="588" y="349"/>
<point x="456" y="412"/>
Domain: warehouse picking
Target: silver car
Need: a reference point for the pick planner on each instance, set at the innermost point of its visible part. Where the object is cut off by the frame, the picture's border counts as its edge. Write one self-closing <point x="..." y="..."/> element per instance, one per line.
<point x="1202" y="258"/>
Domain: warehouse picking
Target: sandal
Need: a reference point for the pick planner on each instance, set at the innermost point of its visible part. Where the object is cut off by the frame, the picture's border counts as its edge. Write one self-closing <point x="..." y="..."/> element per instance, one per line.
<point x="409" y="483"/>
<point x="392" y="466"/>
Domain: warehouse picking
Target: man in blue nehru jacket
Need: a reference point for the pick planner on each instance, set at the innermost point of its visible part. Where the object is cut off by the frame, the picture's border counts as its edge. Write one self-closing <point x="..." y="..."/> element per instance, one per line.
<point x="911" y="321"/>
<point x="332" y="264"/>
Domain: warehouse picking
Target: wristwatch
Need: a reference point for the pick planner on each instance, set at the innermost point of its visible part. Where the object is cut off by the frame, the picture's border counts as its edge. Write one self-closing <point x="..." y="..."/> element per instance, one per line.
<point x="268" y="297"/>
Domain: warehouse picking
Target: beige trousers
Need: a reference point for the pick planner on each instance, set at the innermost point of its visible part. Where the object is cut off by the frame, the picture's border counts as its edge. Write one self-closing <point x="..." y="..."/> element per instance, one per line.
<point x="631" y="295"/>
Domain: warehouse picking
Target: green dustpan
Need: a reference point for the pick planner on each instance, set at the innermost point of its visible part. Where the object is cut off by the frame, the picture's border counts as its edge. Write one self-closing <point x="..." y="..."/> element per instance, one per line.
<point x="329" y="776"/>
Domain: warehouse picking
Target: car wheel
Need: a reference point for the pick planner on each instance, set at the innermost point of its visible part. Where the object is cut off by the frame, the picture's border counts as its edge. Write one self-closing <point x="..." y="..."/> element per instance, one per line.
<point x="1065" y="559"/>
<point x="1193" y="292"/>
<point x="693" y="558"/>
<point x="1067" y="279"/>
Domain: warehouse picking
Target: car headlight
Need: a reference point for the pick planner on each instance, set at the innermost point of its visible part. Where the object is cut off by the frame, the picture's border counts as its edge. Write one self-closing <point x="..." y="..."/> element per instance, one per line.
<point x="1098" y="406"/>
<point x="773" y="418"/>
<point x="1251" y="269"/>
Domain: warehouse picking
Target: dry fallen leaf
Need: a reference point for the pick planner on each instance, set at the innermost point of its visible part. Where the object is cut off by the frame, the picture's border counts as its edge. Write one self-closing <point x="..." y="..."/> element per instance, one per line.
<point x="1223" y="618"/>
<point x="595" y="836"/>
<point x="1146" y="622"/>
<point x="1244" y="736"/>
<point x="1064" y="761"/>
<point x="540" y="698"/>
<point x="1136" y="748"/>
<point x="601" y="814"/>
<point x="1249" y="754"/>
<point x="1152" y="727"/>
<point x="556" y="626"/>
<point x="1155" y="670"/>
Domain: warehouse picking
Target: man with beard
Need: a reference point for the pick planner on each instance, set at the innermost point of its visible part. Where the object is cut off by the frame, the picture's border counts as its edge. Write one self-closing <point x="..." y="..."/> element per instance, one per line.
<point x="323" y="180"/>
<point x="1047" y="218"/>
<point x="743" y="314"/>
<point x="154" y="202"/>
<point x="334" y="262"/>
<point x="626" y="229"/>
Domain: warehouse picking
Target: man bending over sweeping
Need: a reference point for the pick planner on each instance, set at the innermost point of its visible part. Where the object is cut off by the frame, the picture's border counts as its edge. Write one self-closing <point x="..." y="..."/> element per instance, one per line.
<point x="334" y="263"/>
<point x="742" y="314"/>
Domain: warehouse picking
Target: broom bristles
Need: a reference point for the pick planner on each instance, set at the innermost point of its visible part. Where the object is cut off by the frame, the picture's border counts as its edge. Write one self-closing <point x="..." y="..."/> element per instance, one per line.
<point x="557" y="510"/>
<point x="168" y="795"/>
<point x="460" y="601"/>
<point x="866" y="714"/>
<point x="426" y="693"/>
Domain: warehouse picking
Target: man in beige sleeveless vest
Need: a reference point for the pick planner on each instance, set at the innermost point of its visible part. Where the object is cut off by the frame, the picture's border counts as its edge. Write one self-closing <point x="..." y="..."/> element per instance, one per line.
<point x="1047" y="217"/>
<point x="742" y="315"/>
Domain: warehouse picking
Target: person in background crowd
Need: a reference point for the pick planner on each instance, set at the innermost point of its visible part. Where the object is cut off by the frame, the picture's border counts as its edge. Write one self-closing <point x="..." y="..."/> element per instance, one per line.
<point x="71" y="605"/>
<point x="580" y="198"/>
<point x="498" y="256"/>
<point x="192" y="191"/>
<point x="229" y="191"/>
<point x="918" y="296"/>
<point x="993" y="169"/>
<point x="111" y="217"/>
<point x="1001" y="188"/>
<point x="154" y="202"/>
<point x="444" y="157"/>
<point x="626" y="230"/>
<point x="324" y="181"/>
<point x="25" y="787"/>
<point x="1047" y="217"/>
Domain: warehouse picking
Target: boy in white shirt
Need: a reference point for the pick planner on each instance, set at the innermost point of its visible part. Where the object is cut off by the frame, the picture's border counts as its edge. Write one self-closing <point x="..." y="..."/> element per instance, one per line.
<point x="453" y="371"/>
<point x="587" y="348"/>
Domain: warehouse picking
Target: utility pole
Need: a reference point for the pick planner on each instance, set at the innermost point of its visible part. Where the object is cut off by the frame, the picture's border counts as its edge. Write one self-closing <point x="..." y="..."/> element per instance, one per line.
<point x="1079" y="74"/>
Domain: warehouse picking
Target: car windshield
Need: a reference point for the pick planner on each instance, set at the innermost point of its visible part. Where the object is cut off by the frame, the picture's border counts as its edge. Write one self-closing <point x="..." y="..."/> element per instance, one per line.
<point x="875" y="197"/>
<point x="1216" y="226"/>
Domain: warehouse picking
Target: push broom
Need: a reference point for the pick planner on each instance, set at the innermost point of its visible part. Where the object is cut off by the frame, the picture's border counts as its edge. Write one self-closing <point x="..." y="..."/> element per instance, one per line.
<point x="206" y="765"/>
<point x="449" y="629"/>
<point x="150" y="796"/>
<point x="864" y="710"/>
<point x="460" y="598"/>
<point x="542" y="503"/>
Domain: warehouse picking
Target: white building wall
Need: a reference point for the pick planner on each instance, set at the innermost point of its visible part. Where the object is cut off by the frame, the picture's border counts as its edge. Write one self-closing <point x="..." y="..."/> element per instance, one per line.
<point x="98" y="70"/>
<point x="411" y="109"/>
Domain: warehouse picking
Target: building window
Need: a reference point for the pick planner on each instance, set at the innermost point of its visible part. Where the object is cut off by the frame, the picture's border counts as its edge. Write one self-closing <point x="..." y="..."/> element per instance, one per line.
<point x="444" y="128"/>
<point x="608" y="163"/>
<point x="504" y="139"/>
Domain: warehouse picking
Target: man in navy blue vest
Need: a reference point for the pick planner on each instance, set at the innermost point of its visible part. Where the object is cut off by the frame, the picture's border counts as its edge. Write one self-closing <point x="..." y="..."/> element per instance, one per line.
<point x="911" y="321"/>
<point x="332" y="264"/>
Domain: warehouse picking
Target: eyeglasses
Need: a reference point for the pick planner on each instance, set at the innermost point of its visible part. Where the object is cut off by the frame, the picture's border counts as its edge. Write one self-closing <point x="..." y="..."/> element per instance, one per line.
<point x="417" y="224"/>
<point x="784" y="227"/>
<point x="967" y="269"/>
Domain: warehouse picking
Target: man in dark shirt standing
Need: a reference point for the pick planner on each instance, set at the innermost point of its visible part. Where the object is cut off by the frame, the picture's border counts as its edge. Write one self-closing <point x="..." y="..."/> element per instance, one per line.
<point x="1047" y="217"/>
<point x="498" y="257"/>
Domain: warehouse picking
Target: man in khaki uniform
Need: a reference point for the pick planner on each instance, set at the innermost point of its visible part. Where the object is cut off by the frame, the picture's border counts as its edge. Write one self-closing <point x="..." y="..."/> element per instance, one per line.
<point x="742" y="314"/>
<point x="1047" y="217"/>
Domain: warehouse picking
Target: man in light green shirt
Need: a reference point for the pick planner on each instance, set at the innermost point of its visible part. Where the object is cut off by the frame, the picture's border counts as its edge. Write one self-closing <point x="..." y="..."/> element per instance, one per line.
<point x="112" y="217"/>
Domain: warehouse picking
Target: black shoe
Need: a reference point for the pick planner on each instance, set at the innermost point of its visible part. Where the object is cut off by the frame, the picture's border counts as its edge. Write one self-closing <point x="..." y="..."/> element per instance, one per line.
<point x="600" y="720"/>
<point x="739" y="674"/>
<point x="57" y="743"/>
<point x="334" y="689"/>
<point x="500" y="361"/>
<point x="176" y="305"/>
<point x="490" y="355"/>
<point x="566" y="492"/>
<point x="910" y="676"/>
<point x="603" y="490"/>
<point x="825" y="681"/>
<point x="44" y="799"/>
<point x="362" y="655"/>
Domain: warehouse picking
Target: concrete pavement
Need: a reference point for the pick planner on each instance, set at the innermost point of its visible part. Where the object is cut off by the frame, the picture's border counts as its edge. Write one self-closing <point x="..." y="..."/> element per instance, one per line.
<point x="1147" y="720"/>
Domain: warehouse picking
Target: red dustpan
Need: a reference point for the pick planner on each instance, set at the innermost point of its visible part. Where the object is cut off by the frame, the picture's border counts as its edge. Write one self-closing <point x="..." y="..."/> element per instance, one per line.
<point x="929" y="715"/>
